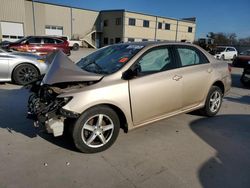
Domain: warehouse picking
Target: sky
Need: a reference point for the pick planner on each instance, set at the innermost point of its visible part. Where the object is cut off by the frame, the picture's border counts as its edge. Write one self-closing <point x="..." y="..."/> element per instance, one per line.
<point x="229" y="16"/>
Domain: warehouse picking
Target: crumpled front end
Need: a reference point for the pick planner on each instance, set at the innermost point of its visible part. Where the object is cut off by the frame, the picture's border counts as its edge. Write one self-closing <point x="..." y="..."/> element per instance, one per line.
<point x="45" y="109"/>
<point x="63" y="76"/>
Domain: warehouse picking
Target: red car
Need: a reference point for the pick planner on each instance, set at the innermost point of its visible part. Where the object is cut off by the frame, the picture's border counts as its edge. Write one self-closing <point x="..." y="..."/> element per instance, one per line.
<point x="40" y="45"/>
<point x="243" y="60"/>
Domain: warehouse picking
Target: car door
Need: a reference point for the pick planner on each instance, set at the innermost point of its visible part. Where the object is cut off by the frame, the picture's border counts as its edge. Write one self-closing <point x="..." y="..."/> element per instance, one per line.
<point x="155" y="91"/>
<point x="4" y="65"/>
<point x="34" y="44"/>
<point x="196" y="74"/>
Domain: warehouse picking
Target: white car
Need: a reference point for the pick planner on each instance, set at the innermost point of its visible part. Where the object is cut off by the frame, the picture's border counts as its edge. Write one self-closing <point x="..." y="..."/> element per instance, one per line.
<point x="73" y="44"/>
<point x="225" y="52"/>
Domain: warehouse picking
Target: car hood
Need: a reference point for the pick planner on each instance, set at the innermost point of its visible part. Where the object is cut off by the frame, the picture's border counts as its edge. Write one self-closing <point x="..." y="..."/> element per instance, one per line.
<point x="63" y="70"/>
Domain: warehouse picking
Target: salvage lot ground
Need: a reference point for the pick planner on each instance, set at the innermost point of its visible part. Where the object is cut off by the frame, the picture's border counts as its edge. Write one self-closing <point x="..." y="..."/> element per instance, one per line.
<point x="183" y="151"/>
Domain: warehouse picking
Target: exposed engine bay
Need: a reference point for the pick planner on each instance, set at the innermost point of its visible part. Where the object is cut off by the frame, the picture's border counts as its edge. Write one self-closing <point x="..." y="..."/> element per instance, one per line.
<point x="45" y="108"/>
<point x="44" y="105"/>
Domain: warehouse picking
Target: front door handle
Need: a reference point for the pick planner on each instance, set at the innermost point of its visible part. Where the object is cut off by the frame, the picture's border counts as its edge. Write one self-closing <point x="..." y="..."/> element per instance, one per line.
<point x="209" y="70"/>
<point x="177" y="77"/>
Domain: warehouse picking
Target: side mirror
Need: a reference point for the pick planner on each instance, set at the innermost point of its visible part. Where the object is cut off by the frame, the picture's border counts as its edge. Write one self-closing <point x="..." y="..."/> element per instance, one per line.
<point x="132" y="72"/>
<point x="129" y="74"/>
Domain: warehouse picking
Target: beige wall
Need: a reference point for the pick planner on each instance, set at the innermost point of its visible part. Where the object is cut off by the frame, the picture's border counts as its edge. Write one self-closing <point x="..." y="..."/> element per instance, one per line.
<point x="83" y="22"/>
<point x="183" y="33"/>
<point x="46" y="14"/>
<point x="12" y="11"/>
<point x="163" y="34"/>
<point x="29" y="24"/>
<point x="138" y="31"/>
<point x="112" y="31"/>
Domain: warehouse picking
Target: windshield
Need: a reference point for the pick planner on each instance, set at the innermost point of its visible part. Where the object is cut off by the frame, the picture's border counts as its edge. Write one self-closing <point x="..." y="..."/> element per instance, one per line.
<point x="21" y="40"/>
<point x="220" y="49"/>
<point x="247" y="52"/>
<point x="109" y="59"/>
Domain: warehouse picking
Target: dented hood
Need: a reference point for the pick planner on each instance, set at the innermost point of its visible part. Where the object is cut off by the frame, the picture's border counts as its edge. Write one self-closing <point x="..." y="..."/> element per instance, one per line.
<point x="62" y="70"/>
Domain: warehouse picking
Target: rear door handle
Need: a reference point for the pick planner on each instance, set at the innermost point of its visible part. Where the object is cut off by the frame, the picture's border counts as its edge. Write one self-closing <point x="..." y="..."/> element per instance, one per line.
<point x="177" y="77"/>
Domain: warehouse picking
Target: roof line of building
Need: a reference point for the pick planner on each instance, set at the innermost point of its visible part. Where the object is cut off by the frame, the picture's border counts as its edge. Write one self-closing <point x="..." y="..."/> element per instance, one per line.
<point x="61" y="5"/>
<point x="112" y="10"/>
<point x="146" y="14"/>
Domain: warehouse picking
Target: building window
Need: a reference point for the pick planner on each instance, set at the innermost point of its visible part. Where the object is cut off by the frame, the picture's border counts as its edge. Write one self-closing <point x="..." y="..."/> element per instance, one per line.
<point x="144" y="40"/>
<point x="131" y="21"/>
<point x="131" y="40"/>
<point x="105" y="23"/>
<point x="118" y="21"/>
<point x="159" y="25"/>
<point x="190" y="29"/>
<point x="117" y="40"/>
<point x="145" y="23"/>
<point x="167" y="26"/>
<point x="111" y="41"/>
<point x="106" y="41"/>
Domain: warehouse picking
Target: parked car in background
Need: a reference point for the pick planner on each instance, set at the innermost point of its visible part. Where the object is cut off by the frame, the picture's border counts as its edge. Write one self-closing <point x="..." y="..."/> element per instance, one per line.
<point x="126" y="86"/>
<point x="243" y="61"/>
<point x="73" y="43"/>
<point x="21" y="68"/>
<point x="41" y="45"/>
<point x="225" y="52"/>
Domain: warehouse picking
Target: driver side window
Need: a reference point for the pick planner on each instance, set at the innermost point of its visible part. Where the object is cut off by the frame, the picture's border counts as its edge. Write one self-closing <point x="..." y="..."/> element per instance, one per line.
<point x="156" y="60"/>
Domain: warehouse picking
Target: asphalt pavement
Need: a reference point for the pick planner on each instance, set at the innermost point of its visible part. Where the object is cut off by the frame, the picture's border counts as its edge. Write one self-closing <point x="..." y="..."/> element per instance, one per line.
<point x="183" y="151"/>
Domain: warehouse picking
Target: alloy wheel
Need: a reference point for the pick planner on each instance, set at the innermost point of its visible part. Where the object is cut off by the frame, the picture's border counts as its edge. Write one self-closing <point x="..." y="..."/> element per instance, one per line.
<point x="97" y="130"/>
<point x="215" y="101"/>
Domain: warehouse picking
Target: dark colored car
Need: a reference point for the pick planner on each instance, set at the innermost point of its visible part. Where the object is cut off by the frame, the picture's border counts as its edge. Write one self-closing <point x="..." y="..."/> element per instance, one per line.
<point x="40" y="45"/>
<point x="243" y="60"/>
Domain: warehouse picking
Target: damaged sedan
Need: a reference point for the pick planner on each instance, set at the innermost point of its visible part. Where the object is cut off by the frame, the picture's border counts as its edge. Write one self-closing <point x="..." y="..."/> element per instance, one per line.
<point x="125" y="86"/>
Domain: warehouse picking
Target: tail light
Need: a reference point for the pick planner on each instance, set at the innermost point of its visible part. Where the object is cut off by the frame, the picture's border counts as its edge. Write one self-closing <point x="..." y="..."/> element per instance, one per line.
<point x="229" y="67"/>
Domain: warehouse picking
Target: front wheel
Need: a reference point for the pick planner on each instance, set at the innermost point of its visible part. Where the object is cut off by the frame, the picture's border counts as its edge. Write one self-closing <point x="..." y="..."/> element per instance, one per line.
<point x="213" y="102"/>
<point x="24" y="74"/>
<point x="96" y="129"/>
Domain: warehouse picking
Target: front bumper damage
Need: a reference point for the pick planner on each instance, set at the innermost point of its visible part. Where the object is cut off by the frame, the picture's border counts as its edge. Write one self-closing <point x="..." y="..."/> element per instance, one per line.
<point x="49" y="113"/>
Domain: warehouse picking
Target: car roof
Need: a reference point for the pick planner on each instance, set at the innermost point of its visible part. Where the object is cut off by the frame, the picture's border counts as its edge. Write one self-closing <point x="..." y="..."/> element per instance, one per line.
<point x="156" y="43"/>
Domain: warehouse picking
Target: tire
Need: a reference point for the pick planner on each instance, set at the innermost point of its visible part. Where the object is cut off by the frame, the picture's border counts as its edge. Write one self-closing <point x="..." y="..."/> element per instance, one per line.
<point x="213" y="102"/>
<point x="24" y="74"/>
<point x="96" y="129"/>
<point x="75" y="47"/>
<point x="223" y="57"/>
<point x="234" y="57"/>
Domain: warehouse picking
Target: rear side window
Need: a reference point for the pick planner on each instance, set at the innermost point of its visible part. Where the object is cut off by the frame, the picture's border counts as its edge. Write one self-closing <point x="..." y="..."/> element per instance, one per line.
<point x="58" y="41"/>
<point x="189" y="56"/>
<point x="35" y="40"/>
<point x="48" y="41"/>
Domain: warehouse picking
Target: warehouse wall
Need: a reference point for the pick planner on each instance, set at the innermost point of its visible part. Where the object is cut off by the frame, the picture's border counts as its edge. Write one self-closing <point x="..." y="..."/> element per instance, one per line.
<point x="46" y="14"/>
<point x="83" y="22"/>
<point x="12" y="11"/>
<point x="138" y="31"/>
<point x="112" y="30"/>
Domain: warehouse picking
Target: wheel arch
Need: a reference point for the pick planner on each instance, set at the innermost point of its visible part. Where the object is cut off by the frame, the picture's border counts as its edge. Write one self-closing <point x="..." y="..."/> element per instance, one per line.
<point x="119" y="112"/>
<point x="24" y="63"/>
<point x="219" y="84"/>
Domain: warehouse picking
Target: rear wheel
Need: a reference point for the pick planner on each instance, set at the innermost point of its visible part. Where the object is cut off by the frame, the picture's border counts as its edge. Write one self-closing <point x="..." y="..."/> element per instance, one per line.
<point x="213" y="102"/>
<point x="24" y="74"/>
<point x="75" y="47"/>
<point x="96" y="129"/>
<point x="223" y="57"/>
